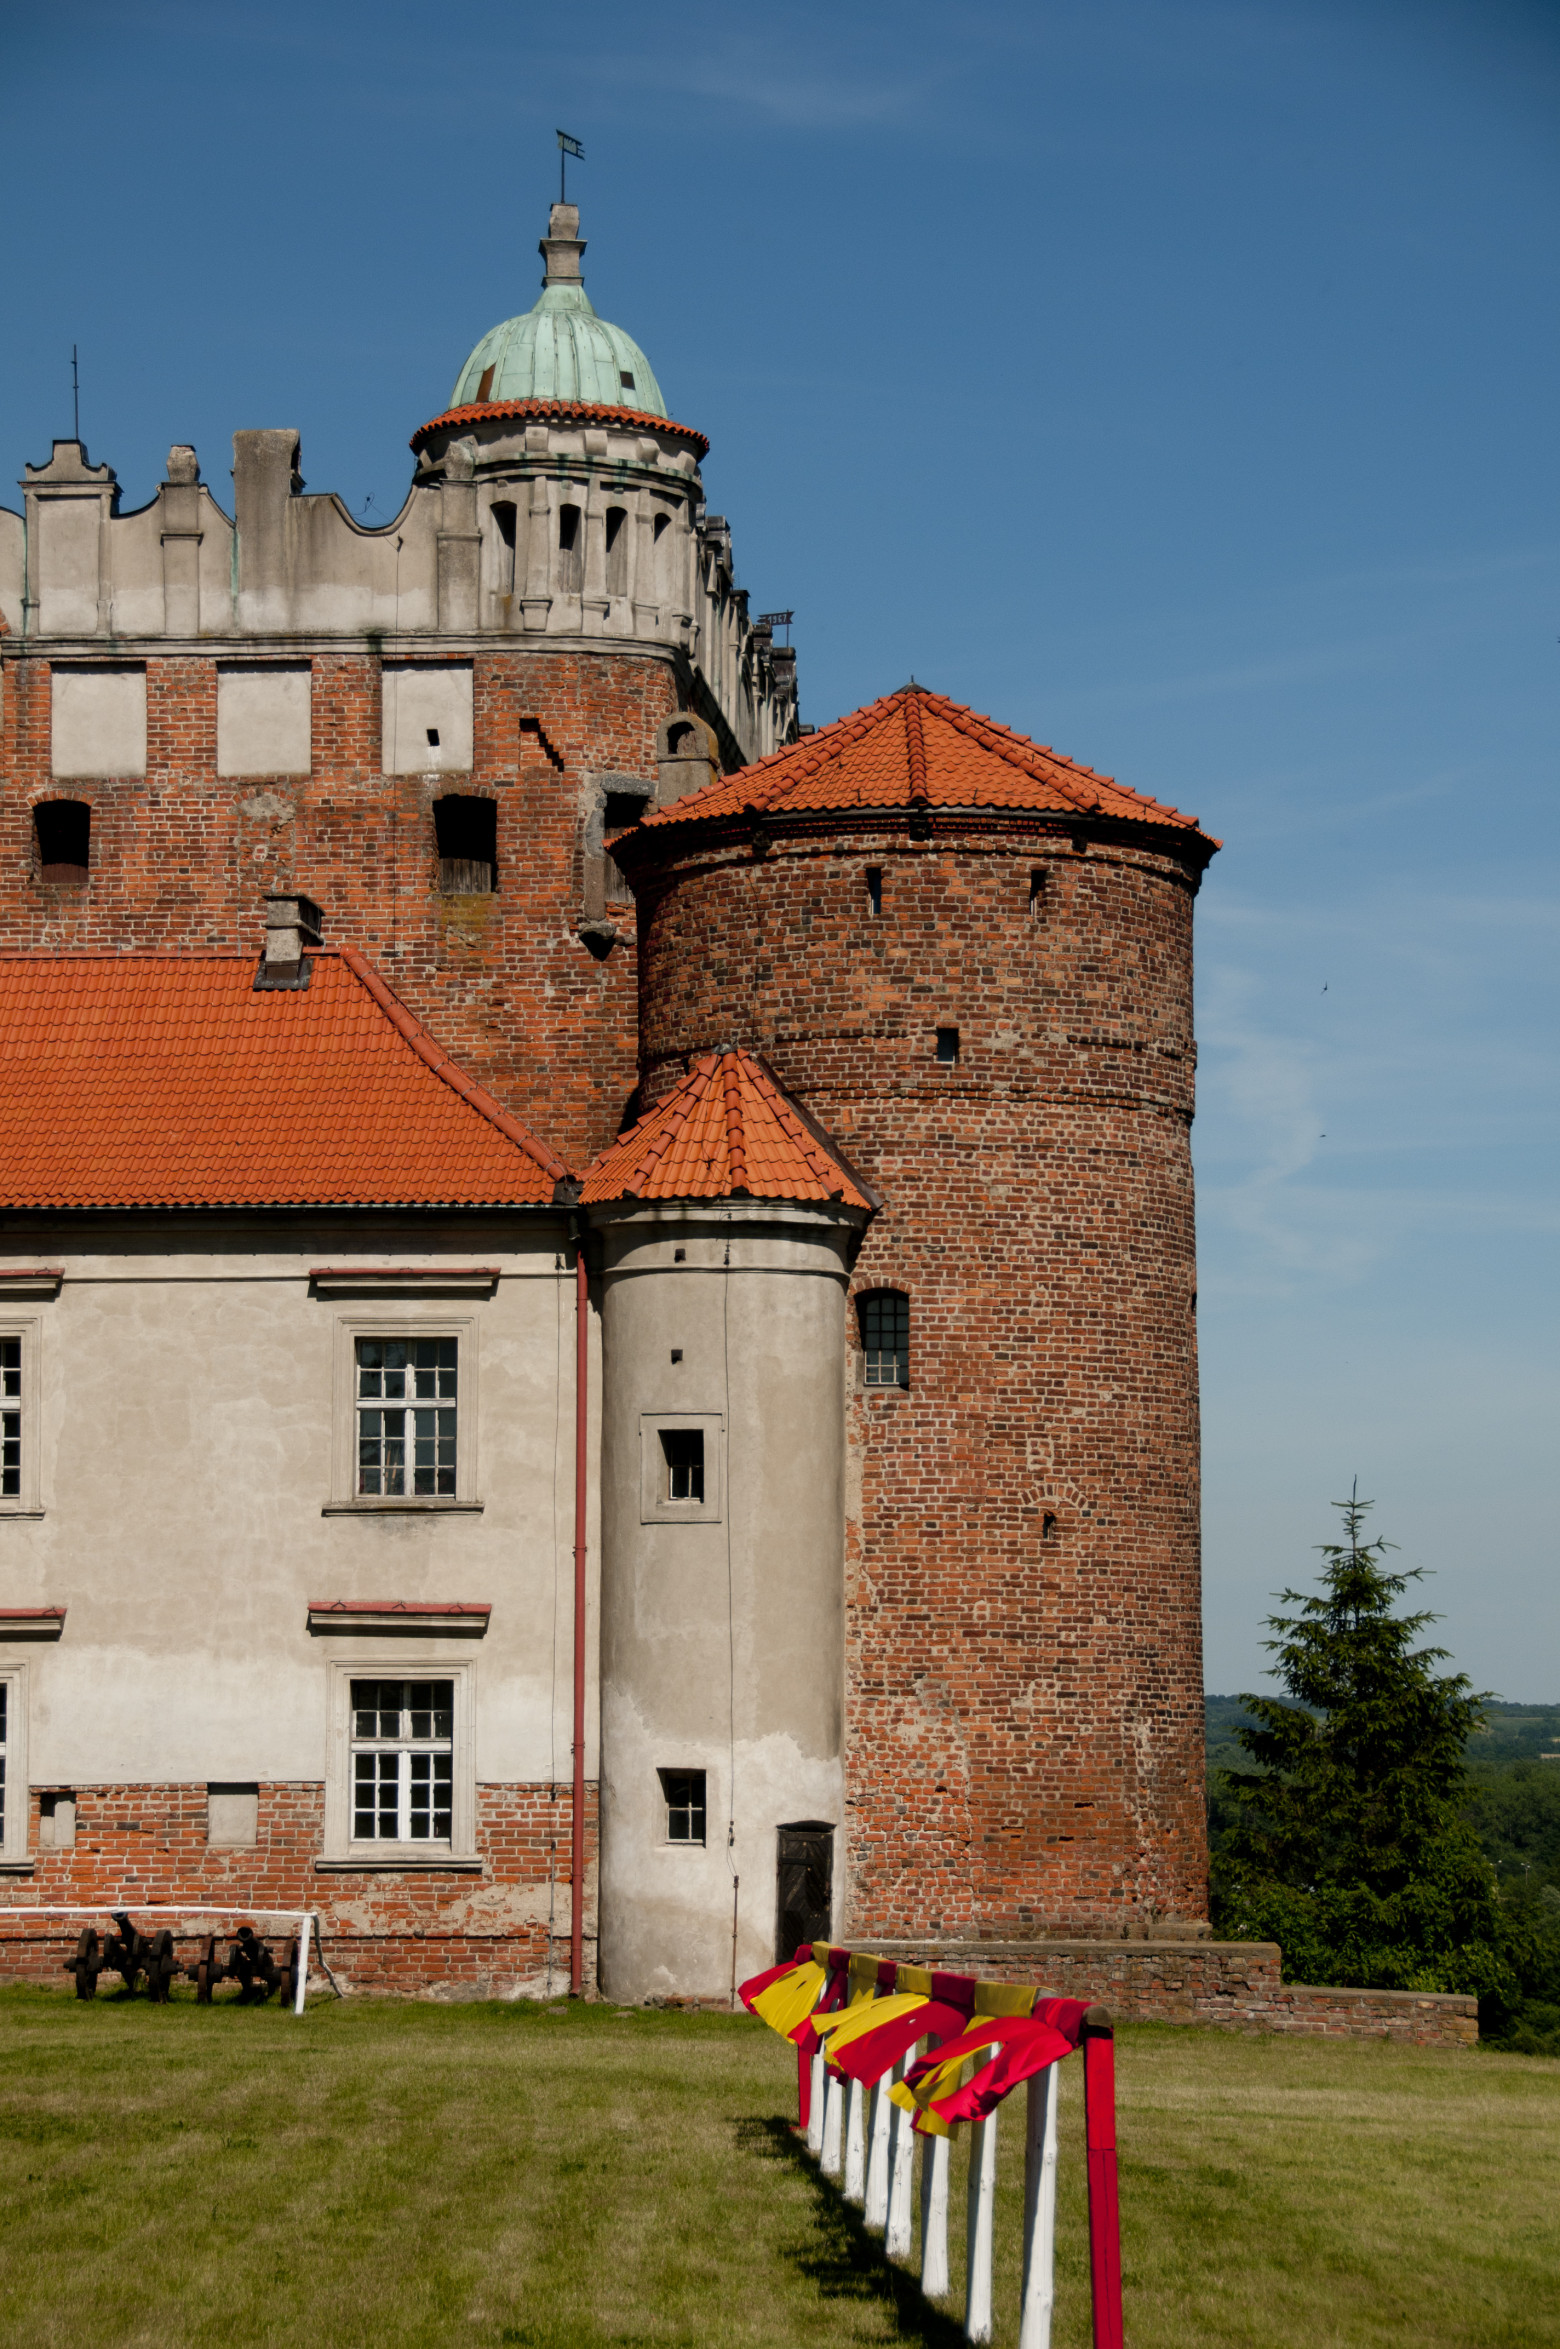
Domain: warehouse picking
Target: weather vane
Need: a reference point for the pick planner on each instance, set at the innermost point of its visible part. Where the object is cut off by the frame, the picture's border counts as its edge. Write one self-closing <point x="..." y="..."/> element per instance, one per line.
<point x="566" y="148"/>
<point x="777" y="620"/>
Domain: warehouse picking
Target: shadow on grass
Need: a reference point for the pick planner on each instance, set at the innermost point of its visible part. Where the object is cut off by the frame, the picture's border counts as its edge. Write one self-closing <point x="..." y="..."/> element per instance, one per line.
<point x="842" y="2260"/>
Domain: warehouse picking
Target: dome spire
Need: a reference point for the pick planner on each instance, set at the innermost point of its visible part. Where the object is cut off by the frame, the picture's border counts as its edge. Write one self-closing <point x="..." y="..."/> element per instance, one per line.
<point x="562" y="246"/>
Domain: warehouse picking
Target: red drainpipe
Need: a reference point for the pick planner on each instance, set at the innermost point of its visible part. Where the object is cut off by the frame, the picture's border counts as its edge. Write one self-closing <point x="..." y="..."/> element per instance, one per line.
<point x="577" y="1819"/>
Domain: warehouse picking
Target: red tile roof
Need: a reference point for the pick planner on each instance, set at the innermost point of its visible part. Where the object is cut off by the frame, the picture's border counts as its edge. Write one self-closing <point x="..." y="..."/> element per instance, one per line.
<point x="917" y="748"/>
<point x="147" y="1080"/>
<point x="728" y="1131"/>
<point x="557" y="412"/>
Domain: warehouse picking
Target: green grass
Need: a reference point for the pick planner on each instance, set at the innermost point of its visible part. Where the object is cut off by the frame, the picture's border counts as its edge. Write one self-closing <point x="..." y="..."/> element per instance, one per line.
<point x="390" y="2175"/>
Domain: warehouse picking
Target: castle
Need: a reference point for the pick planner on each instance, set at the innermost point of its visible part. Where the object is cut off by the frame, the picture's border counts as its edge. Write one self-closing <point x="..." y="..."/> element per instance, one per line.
<point x="597" y="1288"/>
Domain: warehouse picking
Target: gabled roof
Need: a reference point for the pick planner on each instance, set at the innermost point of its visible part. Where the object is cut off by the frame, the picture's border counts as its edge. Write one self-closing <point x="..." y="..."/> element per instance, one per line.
<point x="728" y="1131"/>
<point x="916" y="748"/>
<point x="169" y="1080"/>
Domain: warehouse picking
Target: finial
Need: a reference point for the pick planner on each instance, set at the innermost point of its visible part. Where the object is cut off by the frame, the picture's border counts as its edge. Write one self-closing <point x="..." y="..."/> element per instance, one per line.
<point x="562" y="246"/>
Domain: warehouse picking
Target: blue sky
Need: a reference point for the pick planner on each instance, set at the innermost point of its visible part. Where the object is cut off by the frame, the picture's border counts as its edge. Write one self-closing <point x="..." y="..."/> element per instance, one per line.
<point x="1176" y="382"/>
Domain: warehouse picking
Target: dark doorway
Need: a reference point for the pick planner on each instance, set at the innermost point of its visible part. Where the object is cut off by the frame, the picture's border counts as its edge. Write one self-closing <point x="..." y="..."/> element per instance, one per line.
<point x="805" y="1898"/>
<point x="63" y="831"/>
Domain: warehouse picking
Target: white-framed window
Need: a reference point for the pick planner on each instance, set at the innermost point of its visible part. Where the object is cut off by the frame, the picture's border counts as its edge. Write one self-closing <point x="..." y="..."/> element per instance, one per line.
<point x="19" y="1414"/>
<point x="13" y="1766"/>
<point x="681" y="1467"/>
<point x="399" y="1784"/>
<point x="406" y="1412"/>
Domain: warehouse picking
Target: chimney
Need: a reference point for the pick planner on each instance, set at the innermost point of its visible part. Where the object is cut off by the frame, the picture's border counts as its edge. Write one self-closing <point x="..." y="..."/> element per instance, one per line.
<point x="686" y="756"/>
<point x="291" y="924"/>
<point x="562" y="246"/>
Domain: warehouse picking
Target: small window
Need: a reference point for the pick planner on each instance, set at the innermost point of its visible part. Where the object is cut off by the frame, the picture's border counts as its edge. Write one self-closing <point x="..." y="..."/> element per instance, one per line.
<point x="403" y="1760"/>
<point x="433" y="737"/>
<point x="485" y="387"/>
<point x="57" y="1822"/>
<point x="875" y="891"/>
<point x="62" y="831"/>
<point x="1036" y="893"/>
<point x="683" y="1793"/>
<point x="503" y="513"/>
<point x="948" y="1046"/>
<point x="625" y="379"/>
<point x="466" y="835"/>
<point x="885" y="1337"/>
<point x="11" y="1418"/>
<point x="406" y="1405"/>
<point x="617" y="550"/>
<point x="683" y="1448"/>
<point x="571" y="555"/>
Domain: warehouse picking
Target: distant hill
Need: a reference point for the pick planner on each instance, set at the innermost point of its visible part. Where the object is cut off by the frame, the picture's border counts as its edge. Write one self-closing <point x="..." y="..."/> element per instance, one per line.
<point x="1513" y="1733"/>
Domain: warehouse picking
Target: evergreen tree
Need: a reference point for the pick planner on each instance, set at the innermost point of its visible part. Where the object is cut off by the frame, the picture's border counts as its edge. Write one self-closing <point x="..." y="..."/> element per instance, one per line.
<point x="1345" y="1842"/>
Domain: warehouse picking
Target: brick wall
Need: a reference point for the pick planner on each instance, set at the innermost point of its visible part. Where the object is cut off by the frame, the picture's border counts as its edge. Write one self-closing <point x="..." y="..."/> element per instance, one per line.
<point x="1023" y="1675"/>
<point x="1236" y="1984"/>
<point x="182" y="861"/>
<point x="489" y="1933"/>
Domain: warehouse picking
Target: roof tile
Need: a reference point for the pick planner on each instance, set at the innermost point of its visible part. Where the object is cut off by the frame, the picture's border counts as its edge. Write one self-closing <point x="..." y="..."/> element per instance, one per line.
<point x="915" y="747"/>
<point x="730" y="1130"/>
<point x="131" y="1080"/>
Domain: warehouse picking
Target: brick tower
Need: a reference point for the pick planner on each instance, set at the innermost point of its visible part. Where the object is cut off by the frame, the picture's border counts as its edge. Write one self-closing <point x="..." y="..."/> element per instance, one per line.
<point x="970" y="960"/>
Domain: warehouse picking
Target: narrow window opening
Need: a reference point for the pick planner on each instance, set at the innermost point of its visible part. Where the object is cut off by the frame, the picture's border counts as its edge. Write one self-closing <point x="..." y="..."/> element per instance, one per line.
<point x="885" y="1337"/>
<point x="679" y="1255"/>
<point x="677" y="1353"/>
<point x="433" y="737"/>
<point x="571" y="555"/>
<point x="617" y="550"/>
<point x="948" y="1046"/>
<point x="875" y="891"/>
<point x="62" y="830"/>
<point x="1036" y="893"/>
<point x="485" y="387"/>
<point x="680" y="742"/>
<point x="504" y="524"/>
<point x="663" y="523"/>
<point x="625" y="379"/>
<point x="682" y="1791"/>
<point x="466" y="834"/>
<point x="683" y="1451"/>
<point x="57" y="1822"/>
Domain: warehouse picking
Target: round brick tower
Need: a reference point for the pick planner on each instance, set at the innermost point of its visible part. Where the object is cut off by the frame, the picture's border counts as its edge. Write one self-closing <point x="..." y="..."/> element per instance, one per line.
<point x="970" y="961"/>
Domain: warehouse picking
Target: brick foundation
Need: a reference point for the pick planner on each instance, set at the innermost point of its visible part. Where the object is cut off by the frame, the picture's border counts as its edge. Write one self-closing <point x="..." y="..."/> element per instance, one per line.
<point x="488" y="1933"/>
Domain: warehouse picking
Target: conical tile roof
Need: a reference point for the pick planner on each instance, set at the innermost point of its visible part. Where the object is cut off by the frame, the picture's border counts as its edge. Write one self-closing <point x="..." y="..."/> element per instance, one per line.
<point x="728" y="1131"/>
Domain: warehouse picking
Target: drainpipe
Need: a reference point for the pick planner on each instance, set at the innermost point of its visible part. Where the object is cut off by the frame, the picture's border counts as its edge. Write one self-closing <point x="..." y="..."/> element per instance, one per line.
<point x="581" y="1407"/>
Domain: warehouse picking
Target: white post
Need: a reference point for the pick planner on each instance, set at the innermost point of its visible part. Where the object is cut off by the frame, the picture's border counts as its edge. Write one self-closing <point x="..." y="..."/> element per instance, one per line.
<point x="901" y="2170"/>
<point x="855" y="2145"/>
<point x="1038" y="2293"/>
<point x="979" y="2215"/>
<point x="934" y="2218"/>
<point x="832" y="2109"/>
<point x="815" y="2105"/>
<point x="303" y="1965"/>
<point x="878" y="2128"/>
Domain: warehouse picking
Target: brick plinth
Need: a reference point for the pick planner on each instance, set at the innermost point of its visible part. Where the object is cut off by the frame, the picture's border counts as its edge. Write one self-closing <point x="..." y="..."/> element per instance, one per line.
<point x="181" y="861"/>
<point x="1023" y="1670"/>
<point x="489" y="1932"/>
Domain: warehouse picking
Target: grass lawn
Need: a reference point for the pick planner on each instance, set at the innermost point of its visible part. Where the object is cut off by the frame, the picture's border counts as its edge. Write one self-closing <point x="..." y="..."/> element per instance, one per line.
<point x="389" y="2175"/>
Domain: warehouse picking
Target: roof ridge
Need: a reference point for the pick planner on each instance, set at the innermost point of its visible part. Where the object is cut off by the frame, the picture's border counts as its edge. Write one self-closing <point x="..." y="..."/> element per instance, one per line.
<point x="444" y="1065"/>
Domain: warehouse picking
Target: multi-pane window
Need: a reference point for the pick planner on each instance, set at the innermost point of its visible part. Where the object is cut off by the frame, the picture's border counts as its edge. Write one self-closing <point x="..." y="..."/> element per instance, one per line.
<point x="10" y="1422"/>
<point x="683" y="1448"/>
<point x="403" y="1760"/>
<point x="885" y="1337"/>
<point x="406" y="1416"/>
<point x="683" y="1793"/>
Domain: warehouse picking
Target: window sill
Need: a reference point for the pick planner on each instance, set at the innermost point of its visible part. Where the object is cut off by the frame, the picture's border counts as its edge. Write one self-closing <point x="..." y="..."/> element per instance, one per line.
<point x="411" y="1506"/>
<point x="17" y="1867"/>
<point x="399" y="1859"/>
<point x="6" y="1510"/>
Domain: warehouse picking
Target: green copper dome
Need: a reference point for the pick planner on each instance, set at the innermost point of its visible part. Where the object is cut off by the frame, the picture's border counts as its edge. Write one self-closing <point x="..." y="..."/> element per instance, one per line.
<point x="560" y="350"/>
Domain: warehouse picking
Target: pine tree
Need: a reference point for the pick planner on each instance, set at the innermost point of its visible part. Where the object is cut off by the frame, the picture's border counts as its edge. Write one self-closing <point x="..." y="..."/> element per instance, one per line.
<point x="1347" y="1845"/>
